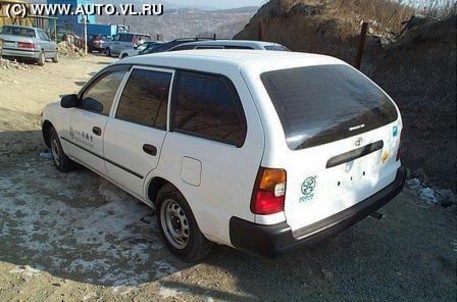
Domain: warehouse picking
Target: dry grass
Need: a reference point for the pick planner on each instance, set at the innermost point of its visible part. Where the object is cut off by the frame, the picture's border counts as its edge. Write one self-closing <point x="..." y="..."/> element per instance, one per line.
<point x="385" y="16"/>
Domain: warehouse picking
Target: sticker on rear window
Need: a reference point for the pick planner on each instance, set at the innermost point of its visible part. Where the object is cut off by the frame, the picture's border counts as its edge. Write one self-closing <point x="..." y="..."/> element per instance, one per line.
<point x="395" y="131"/>
<point x="307" y="189"/>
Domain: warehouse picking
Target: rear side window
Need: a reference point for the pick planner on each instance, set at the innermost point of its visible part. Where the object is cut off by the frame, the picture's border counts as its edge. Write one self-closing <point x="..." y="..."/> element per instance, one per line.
<point x="126" y="38"/>
<point x="208" y="106"/>
<point x="321" y="104"/>
<point x="145" y="98"/>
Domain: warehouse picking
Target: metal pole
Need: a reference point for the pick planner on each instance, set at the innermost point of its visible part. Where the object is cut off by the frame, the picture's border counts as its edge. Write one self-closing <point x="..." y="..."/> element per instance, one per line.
<point x="363" y="35"/>
<point x="85" y="34"/>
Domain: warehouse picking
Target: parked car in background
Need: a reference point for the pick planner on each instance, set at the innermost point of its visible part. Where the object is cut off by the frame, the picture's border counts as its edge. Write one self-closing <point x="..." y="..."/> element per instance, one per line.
<point x="123" y="41"/>
<point x="261" y="151"/>
<point x="166" y="46"/>
<point x="135" y="51"/>
<point x="231" y="44"/>
<point x="96" y="43"/>
<point x="25" y="42"/>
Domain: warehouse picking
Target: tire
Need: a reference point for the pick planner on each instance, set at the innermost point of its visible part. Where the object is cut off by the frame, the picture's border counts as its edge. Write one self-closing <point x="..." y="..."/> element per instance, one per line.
<point x="108" y="52"/>
<point x="60" y="159"/>
<point x="124" y="56"/>
<point x="56" y="58"/>
<point x="41" y="59"/>
<point x="178" y="226"/>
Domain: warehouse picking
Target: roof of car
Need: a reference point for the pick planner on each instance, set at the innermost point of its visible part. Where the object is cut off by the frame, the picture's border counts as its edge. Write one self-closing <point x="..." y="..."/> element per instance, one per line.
<point x="21" y="26"/>
<point x="233" y="58"/>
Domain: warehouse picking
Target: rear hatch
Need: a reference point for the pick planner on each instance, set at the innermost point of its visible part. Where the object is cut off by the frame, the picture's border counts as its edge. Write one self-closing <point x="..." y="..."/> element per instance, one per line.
<point x="342" y="134"/>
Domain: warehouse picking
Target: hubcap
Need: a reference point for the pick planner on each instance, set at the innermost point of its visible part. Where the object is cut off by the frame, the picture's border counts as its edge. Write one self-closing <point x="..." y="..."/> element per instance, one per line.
<point x="175" y="224"/>
<point x="55" y="151"/>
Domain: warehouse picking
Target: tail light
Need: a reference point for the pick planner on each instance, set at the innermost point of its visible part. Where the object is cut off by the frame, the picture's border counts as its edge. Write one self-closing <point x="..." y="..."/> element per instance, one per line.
<point x="269" y="192"/>
<point x="25" y="45"/>
<point x="400" y="147"/>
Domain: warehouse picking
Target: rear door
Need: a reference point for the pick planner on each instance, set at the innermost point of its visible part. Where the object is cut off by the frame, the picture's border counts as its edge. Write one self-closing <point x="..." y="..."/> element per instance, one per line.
<point x="134" y="137"/>
<point x="342" y="134"/>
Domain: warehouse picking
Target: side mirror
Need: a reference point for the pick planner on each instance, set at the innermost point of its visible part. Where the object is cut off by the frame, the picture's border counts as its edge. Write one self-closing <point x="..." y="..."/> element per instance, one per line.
<point x="69" y="101"/>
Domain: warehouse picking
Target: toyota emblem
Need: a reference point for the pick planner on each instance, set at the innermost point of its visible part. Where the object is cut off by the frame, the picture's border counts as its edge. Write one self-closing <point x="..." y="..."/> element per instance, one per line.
<point x="359" y="142"/>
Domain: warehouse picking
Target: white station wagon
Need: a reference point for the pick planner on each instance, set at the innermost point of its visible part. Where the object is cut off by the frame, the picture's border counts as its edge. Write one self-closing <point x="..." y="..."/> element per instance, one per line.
<point x="260" y="151"/>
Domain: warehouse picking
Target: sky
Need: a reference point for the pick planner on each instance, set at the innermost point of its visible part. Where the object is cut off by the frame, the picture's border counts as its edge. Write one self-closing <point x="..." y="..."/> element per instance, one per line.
<point x="220" y="4"/>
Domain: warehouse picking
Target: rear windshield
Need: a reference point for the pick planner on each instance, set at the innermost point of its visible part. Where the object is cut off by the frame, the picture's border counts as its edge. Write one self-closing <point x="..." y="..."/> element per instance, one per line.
<point x="18" y="31"/>
<point x="321" y="104"/>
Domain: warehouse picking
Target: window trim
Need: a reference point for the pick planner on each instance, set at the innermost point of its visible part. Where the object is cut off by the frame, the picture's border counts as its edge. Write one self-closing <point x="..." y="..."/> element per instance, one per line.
<point x="124" y="84"/>
<point x="98" y="76"/>
<point x="235" y="95"/>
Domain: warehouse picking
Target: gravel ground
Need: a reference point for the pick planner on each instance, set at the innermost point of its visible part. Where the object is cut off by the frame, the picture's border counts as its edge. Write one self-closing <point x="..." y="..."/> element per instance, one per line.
<point x="76" y="237"/>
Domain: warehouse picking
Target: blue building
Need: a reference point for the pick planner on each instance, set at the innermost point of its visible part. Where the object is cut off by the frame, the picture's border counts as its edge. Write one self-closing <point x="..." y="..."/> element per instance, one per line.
<point x="73" y="23"/>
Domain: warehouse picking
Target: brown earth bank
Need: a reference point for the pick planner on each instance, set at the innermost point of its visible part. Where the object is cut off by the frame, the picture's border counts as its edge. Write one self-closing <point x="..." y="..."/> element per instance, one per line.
<point x="76" y="237"/>
<point x="417" y="67"/>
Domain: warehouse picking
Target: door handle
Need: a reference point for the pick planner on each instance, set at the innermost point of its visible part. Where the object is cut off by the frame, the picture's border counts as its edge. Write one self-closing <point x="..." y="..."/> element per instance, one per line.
<point x="150" y="149"/>
<point x="97" y="131"/>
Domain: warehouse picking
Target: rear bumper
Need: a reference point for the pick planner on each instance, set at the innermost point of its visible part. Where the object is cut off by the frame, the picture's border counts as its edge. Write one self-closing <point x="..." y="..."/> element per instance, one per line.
<point x="272" y="240"/>
<point x="96" y="47"/>
<point x="21" y="53"/>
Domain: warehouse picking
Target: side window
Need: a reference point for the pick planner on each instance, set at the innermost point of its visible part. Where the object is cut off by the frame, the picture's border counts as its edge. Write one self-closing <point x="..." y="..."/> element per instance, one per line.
<point x="42" y="35"/>
<point x="126" y="38"/>
<point x="99" y="96"/>
<point x="208" y="106"/>
<point x="145" y="98"/>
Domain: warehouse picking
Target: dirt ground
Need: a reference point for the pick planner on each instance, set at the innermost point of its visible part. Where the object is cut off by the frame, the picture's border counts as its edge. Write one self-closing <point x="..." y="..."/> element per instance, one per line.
<point x="76" y="237"/>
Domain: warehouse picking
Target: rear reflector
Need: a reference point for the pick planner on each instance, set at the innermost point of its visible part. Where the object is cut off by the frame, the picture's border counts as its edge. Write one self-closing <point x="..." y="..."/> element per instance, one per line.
<point x="400" y="147"/>
<point x="269" y="192"/>
<point x="25" y="45"/>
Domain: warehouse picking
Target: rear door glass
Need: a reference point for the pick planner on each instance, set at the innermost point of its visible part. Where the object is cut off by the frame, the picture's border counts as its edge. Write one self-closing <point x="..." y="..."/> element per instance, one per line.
<point x="321" y="104"/>
<point x="145" y="98"/>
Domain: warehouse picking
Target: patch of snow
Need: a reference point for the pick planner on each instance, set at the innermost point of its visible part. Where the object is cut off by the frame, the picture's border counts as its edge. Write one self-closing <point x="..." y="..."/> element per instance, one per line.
<point x="102" y="241"/>
<point x="428" y="195"/>
<point x="27" y="270"/>
<point x="166" y="292"/>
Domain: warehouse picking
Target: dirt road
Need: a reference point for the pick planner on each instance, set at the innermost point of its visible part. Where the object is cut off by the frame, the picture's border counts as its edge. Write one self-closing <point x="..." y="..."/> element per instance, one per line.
<point x="76" y="237"/>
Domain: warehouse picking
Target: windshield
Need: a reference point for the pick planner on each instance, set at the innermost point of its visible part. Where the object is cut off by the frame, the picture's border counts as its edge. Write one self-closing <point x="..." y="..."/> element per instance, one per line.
<point x="321" y="104"/>
<point x="18" y="31"/>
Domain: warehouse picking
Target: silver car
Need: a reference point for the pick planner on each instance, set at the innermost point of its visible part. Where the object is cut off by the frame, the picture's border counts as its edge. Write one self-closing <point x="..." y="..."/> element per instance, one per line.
<point x="29" y="43"/>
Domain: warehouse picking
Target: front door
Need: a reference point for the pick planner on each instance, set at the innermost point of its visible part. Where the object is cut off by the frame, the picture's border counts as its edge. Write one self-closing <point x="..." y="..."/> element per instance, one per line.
<point x="84" y="141"/>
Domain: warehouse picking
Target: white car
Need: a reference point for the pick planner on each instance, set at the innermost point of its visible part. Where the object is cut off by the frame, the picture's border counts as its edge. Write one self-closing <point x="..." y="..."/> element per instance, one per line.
<point x="130" y="52"/>
<point x="260" y="151"/>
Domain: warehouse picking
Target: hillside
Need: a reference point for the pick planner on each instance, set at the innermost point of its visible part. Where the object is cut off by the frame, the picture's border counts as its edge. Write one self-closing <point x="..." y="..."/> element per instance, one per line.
<point x="417" y="68"/>
<point x="186" y="22"/>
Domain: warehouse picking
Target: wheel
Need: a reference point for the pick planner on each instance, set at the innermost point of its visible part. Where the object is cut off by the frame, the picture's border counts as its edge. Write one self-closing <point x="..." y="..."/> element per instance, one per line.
<point x="56" y="58"/>
<point x="108" y="52"/>
<point x="61" y="160"/>
<point x="41" y="59"/>
<point x="124" y="56"/>
<point x="178" y="226"/>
